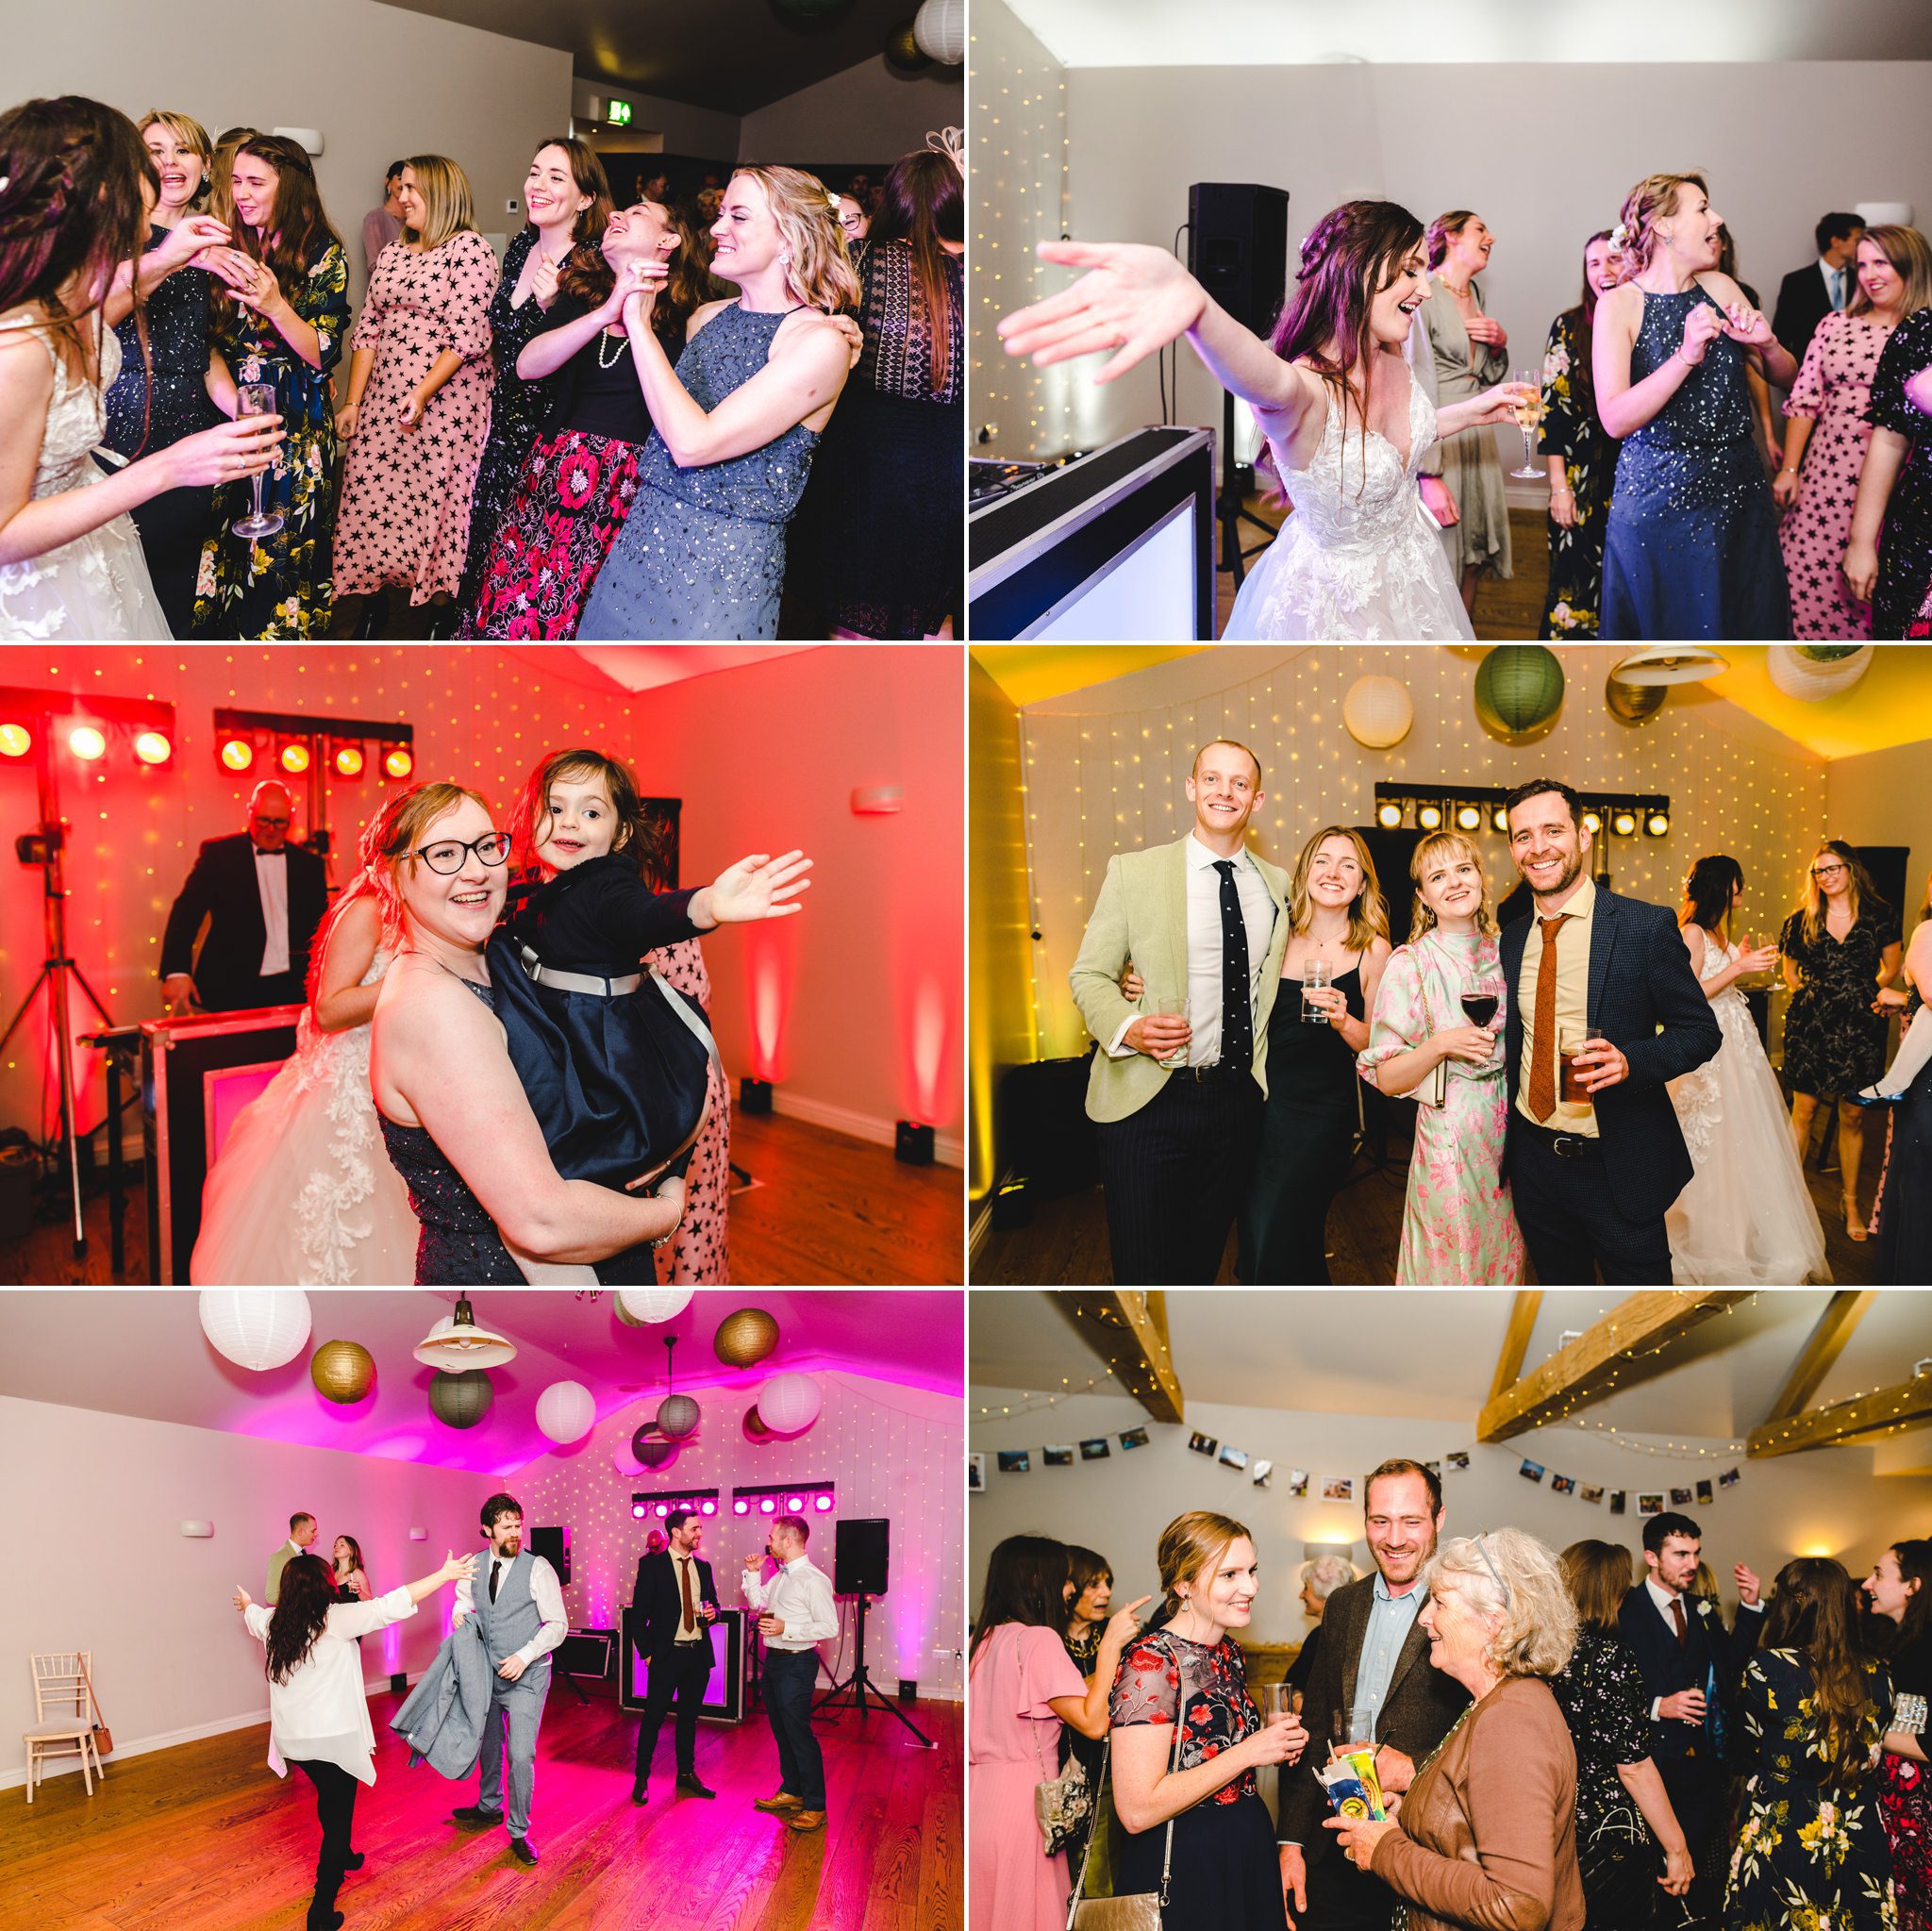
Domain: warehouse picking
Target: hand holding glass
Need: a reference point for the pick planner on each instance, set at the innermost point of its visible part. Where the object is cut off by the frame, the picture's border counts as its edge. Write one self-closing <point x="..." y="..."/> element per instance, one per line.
<point x="256" y="399"/>
<point x="1529" y="413"/>
<point x="1317" y="974"/>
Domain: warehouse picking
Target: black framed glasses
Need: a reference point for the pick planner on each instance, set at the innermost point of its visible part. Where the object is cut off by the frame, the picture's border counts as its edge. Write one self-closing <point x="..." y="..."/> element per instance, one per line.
<point x="447" y="854"/>
<point x="1827" y="871"/>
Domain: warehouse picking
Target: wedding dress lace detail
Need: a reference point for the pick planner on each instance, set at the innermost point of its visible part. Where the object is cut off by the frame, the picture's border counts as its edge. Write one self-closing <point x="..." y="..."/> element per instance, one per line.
<point x="1698" y="1095"/>
<point x="1359" y="557"/>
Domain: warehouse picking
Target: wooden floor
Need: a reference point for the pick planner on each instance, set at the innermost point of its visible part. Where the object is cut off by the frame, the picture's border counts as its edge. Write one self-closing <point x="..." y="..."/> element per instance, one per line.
<point x="829" y="1209"/>
<point x="1066" y="1245"/>
<point x="205" y="1838"/>
<point x="1503" y="609"/>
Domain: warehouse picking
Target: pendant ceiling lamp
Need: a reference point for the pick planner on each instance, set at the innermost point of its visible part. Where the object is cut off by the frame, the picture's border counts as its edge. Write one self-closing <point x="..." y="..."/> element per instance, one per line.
<point x="458" y="1342"/>
<point x="1666" y="663"/>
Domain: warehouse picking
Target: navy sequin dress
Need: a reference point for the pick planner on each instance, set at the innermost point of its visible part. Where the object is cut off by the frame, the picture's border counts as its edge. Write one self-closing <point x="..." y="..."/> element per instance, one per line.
<point x="1690" y="549"/>
<point x="702" y="553"/>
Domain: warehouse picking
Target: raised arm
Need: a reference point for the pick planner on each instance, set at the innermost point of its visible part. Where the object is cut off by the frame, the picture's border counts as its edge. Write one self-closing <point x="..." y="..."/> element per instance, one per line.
<point x="1623" y="405"/>
<point x="545" y="354"/>
<point x="341" y="999"/>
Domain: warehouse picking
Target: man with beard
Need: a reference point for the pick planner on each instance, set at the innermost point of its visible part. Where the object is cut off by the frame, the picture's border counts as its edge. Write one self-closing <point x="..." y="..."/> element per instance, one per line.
<point x="1374" y="1657"/>
<point x="1594" y="1166"/>
<point x="520" y="1610"/>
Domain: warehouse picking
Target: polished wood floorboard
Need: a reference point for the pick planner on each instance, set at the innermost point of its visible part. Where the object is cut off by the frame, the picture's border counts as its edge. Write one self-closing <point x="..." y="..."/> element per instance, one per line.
<point x="830" y="1210"/>
<point x="205" y="1838"/>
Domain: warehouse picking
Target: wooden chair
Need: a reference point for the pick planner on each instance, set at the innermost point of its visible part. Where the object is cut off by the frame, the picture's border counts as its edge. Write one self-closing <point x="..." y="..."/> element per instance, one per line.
<point x="65" y="1714"/>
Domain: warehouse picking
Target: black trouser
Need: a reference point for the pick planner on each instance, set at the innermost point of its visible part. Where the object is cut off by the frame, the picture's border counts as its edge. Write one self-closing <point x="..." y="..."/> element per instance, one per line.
<point x="1571" y="1224"/>
<point x="681" y="1671"/>
<point x="1341" y="1898"/>
<point x="1695" y="1785"/>
<point x="334" y="1806"/>
<point x="790" y="1675"/>
<point x="1175" y="1172"/>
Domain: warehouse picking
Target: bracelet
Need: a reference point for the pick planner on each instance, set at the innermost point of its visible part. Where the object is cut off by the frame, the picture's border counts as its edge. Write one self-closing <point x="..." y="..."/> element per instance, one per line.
<point x="670" y="1230"/>
<point x="1788" y="471"/>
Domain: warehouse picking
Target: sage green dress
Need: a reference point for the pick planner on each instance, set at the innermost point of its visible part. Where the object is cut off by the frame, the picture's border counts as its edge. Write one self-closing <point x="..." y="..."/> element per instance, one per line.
<point x="1451" y="368"/>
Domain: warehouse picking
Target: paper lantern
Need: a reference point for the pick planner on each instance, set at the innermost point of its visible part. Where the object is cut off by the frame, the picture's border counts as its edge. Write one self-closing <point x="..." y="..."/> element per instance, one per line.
<point x="256" y="1327"/>
<point x="788" y="1404"/>
<point x="677" y="1415"/>
<point x="1377" y="711"/>
<point x="460" y="1401"/>
<point x="810" y="13"/>
<point x="566" y="1412"/>
<point x="1633" y="702"/>
<point x="940" y="29"/>
<point x="745" y="1337"/>
<point x="653" y="1304"/>
<point x="624" y="1463"/>
<point x="755" y="1429"/>
<point x="654" y="1455"/>
<point x="343" y="1371"/>
<point x="1518" y="688"/>
<point x="1812" y="671"/>
<point x="902" y="51"/>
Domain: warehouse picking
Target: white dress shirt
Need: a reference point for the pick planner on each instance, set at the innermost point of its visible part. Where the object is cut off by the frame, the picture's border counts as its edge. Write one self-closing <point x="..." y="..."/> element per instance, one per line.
<point x="545" y="1591"/>
<point x="1662" y="1599"/>
<point x="689" y="1628"/>
<point x="321" y="1711"/>
<point x="1204" y="947"/>
<point x="271" y="882"/>
<point x="800" y="1596"/>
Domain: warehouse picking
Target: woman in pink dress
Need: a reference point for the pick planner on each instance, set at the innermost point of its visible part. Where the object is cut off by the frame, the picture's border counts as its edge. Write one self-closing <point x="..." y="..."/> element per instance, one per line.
<point x="1436" y="1036"/>
<point x="1826" y="409"/>
<point x="1023" y="1686"/>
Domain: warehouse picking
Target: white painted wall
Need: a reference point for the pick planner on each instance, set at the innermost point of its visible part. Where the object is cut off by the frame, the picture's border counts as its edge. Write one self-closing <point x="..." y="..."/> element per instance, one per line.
<point x="868" y="113"/>
<point x="1879" y="799"/>
<point x="672" y="126"/>
<point x="1827" y="1502"/>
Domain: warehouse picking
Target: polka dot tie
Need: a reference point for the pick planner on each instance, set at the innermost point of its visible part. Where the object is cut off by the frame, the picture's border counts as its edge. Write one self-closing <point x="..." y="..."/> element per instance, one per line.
<point x="1237" y="1023"/>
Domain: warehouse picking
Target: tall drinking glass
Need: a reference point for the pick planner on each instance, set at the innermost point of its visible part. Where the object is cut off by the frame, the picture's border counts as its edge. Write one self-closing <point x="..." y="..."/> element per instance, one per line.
<point x="1528" y="415"/>
<point x="256" y="399"/>
<point x="1171" y="1007"/>
<point x="1317" y="976"/>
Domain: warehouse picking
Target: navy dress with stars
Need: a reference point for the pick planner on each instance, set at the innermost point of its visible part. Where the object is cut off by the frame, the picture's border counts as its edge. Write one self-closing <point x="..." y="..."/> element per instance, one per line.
<point x="1690" y="549"/>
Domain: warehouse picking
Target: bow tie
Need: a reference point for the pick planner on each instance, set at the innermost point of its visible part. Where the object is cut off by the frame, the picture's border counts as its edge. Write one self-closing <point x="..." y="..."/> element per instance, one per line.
<point x="280" y="852"/>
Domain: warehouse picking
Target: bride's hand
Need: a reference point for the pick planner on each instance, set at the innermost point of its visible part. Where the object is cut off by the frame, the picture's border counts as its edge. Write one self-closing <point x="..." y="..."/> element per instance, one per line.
<point x="1134" y="298"/>
<point x="1500" y="404"/>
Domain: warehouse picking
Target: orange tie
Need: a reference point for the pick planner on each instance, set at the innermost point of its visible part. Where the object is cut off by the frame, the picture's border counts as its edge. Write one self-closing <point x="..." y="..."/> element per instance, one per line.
<point x="690" y="1614"/>
<point x="1543" y="1060"/>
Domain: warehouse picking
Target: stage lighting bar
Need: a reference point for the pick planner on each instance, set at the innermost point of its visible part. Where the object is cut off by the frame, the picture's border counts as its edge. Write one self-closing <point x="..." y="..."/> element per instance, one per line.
<point x="699" y="1501"/>
<point x="1467" y="807"/>
<point x="88" y="728"/>
<point x="786" y="1498"/>
<point x="297" y="745"/>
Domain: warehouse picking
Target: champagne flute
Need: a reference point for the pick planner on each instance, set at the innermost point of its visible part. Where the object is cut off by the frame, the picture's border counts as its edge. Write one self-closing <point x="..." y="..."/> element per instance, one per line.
<point x="1529" y="412"/>
<point x="256" y="399"/>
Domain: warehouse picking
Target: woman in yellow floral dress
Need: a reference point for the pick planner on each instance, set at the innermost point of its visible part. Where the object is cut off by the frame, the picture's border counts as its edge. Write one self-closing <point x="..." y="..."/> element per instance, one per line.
<point x="1811" y="1854"/>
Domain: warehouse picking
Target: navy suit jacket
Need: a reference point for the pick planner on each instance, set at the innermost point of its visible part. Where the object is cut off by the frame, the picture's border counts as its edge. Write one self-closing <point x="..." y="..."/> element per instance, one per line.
<point x="1709" y="1646"/>
<point x="658" y="1604"/>
<point x="222" y="888"/>
<point x="1646" y="1000"/>
<point x="1803" y="303"/>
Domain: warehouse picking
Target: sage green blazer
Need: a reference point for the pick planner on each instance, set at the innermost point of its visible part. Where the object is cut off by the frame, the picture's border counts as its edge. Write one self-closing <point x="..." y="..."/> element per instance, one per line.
<point x="1141" y="914"/>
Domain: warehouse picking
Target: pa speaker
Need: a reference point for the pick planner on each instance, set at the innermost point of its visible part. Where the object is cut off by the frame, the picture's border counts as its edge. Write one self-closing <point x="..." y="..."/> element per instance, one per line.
<point x="1237" y="248"/>
<point x="859" y="1557"/>
<point x="553" y="1546"/>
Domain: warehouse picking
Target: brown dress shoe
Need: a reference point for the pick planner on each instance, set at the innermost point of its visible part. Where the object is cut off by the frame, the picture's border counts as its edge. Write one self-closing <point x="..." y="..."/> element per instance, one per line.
<point x="779" y="1801"/>
<point x="805" y="1821"/>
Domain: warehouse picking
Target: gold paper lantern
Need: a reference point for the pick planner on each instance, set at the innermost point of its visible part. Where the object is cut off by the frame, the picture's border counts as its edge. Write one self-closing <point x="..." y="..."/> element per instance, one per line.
<point x="343" y="1371"/>
<point x="1633" y="702"/>
<point x="755" y="1429"/>
<point x="745" y="1337"/>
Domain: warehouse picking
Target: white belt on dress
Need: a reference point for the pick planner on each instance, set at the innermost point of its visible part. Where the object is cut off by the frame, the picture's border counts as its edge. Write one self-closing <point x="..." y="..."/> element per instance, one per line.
<point x="580" y="982"/>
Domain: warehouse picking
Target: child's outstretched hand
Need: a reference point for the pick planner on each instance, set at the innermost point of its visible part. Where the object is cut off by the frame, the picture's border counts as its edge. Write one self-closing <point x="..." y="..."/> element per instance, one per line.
<point x="757" y="886"/>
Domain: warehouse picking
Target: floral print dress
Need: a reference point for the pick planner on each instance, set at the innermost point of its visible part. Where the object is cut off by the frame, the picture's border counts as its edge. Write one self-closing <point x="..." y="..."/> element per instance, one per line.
<point x="281" y="586"/>
<point x="1602" y="1695"/>
<point x="1902" y="603"/>
<point x="1811" y="1854"/>
<point x="1571" y="431"/>
<point x="1834" y="1042"/>
<point x="1459" y="1223"/>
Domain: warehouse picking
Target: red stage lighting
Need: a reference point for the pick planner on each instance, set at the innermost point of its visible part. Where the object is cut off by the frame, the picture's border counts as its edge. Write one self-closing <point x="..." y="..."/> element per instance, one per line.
<point x="823" y="1504"/>
<point x="398" y="761"/>
<point x="637" y="1510"/>
<point x="741" y="1507"/>
<point x="710" y="1508"/>
<point x="795" y="1504"/>
<point x="16" y="740"/>
<point x="237" y="754"/>
<point x="294" y="759"/>
<point x="85" y="742"/>
<point x="768" y="1507"/>
<point x="663" y="1509"/>
<point x="348" y="760"/>
<point x="153" y="747"/>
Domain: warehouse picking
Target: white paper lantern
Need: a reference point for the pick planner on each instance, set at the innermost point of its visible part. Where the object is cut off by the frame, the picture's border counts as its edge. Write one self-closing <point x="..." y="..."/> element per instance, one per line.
<point x="1884" y="214"/>
<point x="1377" y="711"/>
<point x="938" y="30"/>
<point x="624" y="1463"/>
<point x="566" y="1412"/>
<point x="790" y="1402"/>
<point x="256" y="1327"/>
<point x="1809" y="678"/>
<point x="653" y="1304"/>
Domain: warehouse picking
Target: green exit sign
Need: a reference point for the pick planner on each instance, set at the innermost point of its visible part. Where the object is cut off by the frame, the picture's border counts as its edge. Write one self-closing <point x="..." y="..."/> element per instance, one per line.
<point x="619" y="113"/>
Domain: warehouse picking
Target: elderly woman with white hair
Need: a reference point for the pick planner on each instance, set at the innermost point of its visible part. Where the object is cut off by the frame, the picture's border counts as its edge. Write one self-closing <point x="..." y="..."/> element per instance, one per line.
<point x="1486" y="1835"/>
<point x="1320" y="1578"/>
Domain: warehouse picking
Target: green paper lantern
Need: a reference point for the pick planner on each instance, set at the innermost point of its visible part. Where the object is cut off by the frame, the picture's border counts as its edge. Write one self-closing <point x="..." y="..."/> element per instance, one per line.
<point x="460" y="1401"/>
<point x="343" y="1371"/>
<point x="1633" y="702"/>
<point x="903" y="52"/>
<point x="1828" y="653"/>
<point x="1518" y="688"/>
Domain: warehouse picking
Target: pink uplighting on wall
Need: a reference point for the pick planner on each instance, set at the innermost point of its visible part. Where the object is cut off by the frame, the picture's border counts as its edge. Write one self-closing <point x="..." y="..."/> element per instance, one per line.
<point x="928" y="1043"/>
<point x="770" y="959"/>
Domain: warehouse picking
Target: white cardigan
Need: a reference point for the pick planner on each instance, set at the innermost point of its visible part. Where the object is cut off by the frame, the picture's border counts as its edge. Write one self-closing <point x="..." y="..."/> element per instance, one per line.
<point x="321" y="1711"/>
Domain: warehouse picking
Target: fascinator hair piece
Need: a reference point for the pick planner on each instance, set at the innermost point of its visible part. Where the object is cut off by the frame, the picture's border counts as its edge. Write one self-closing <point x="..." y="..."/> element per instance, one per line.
<point x="951" y="143"/>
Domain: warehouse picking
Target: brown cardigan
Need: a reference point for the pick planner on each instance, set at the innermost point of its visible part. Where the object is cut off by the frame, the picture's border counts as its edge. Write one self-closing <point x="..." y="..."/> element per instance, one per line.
<point x="1487" y="1834"/>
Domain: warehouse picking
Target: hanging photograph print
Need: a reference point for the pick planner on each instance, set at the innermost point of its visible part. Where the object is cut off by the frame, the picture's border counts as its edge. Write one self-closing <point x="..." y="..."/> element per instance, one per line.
<point x="1680" y="1498"/>
<point x="1203" y="1444"/>
<point x="975" y="1474"/>
<point x="1014" y="1461"/>
<point x="1590" y="1492"/>
<point x="1460" y="1459"/>
<point x="1297" y="1481"/>
<point x="1339" y="1489"/>
<point x="1729" y="1479"/>
<point x="1650" y="1505"/>
<point x="1706" y="1494"/>
<point x="1619" y="1497"/>
<point x="1531" y="1471"/>
<point x="1235" y="1457"/>
<point x="1133" y="1437"/>
<point x="1562" y="1485"/>
<point x="1057" y="1455"/>
<point x="1261" y="1473"/>
<point x="1095" y="1449"/>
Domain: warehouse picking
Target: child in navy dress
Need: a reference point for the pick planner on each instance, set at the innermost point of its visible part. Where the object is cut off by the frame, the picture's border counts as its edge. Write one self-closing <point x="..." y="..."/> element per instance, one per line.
<point x="614" y="1061"/>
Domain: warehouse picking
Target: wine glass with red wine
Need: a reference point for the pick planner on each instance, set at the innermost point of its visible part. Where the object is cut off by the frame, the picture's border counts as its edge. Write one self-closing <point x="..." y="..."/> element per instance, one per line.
<point x="1481" y="996"/>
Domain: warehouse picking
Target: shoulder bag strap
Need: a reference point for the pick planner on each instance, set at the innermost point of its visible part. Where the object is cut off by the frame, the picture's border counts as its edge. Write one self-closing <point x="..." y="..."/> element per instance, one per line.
<point x="91" y="1698"/>
<point x="1106" y="1768"/>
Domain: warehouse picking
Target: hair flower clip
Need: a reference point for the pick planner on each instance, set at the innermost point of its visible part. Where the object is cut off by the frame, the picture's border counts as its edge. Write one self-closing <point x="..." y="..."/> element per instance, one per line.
<point x="951" y="143"/>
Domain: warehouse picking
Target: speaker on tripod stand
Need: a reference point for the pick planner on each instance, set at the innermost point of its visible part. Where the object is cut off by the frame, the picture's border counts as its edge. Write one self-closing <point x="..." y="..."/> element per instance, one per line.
<point x="860" y="1553"/>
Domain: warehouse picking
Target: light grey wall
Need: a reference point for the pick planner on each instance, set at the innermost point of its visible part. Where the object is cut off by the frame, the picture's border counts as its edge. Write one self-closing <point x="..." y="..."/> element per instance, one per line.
<point x="379" y="81"/>
<point x="678" y="128"/>
<point x="1879" y="799"/>
<point x="869" y="112"/>
<point x="1828" y="1501"/>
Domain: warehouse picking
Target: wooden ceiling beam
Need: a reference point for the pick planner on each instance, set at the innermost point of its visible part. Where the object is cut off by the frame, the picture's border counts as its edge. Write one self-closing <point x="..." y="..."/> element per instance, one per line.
<point x="1516" y="1340"/>
<point x="1903" y="1406"/>
<point x="1841" y="1315"/>
<point x="1619" y="1351"/>
<point x="1127" y="1327"/>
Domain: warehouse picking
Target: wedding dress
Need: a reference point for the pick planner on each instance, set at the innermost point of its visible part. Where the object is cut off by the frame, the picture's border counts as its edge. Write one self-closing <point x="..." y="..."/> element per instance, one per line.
<point x="1359" y="558"/>
<point x="1746" y="1218"/>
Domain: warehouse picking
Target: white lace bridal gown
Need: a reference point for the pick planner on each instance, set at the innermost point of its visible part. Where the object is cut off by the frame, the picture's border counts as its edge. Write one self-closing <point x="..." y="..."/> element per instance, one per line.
<point x="95" y="589"/>
<point x="1746" y="1218"/>
<point x="1359" y="558"/>
<point x="302" y="1193"/>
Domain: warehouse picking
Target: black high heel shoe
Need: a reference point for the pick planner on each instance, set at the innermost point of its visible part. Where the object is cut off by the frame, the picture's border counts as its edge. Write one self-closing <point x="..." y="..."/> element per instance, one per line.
<point x="1870" y="1096"/>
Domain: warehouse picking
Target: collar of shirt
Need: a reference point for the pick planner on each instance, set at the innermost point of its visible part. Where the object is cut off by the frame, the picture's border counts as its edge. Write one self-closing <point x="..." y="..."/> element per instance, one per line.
<point x="1385" y="1595"/>
<point x="1663" y="1599"/>
<point x="280" y="852"/>
<point x="1577" y="907"/>
<point x="1201" y="859"/>
<point x="798" y="1561"/>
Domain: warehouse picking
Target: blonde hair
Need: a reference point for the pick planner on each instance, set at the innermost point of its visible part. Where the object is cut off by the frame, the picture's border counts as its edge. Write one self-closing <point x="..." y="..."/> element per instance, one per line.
<point x="448" y="206"/>
<point x="1191" y="1543"/>
<point x="1911" y="254"/>
<point x="1444" y="230"/>
<point x="819" y="272"/>
<point x="1508" y="1573"/>
<point x="1446" y="845"/>
<point x="1859" y="886"/>
<point x="192" y="135"/>
<point x="1368" y="912"/>
<point x="393" y="835"/>
<point x="1655" y="196"/>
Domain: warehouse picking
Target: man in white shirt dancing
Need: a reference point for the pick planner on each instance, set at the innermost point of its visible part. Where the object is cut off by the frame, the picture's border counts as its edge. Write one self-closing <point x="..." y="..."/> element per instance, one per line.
<point x="520" y="1611"/>
<point x="796" y="1613"/>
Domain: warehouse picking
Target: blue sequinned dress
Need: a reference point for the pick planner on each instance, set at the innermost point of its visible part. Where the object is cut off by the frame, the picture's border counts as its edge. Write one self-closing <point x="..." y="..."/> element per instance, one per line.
<point x="1690" y="549"/>
<point x="702" y="553"/>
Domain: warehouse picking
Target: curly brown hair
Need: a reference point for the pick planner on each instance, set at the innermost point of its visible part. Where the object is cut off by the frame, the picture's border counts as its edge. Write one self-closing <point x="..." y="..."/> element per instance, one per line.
<point x="526" y="818"/>
<point x="298" y="230"/>
<point x="308" y="1587"/>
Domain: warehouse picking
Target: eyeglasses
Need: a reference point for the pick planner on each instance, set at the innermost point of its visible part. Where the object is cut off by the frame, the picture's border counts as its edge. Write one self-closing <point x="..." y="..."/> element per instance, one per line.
<point x="1827" y="871"/>
<point x="1484" y="1553"/>
<point x="447" y="856"/>
<point x="272" y="824"/>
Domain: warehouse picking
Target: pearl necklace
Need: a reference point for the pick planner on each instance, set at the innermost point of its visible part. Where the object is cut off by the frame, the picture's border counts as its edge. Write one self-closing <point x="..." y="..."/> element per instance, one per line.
<point x="622" y="343"/>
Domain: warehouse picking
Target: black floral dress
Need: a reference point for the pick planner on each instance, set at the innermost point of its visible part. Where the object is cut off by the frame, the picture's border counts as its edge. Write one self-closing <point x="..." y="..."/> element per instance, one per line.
<point x="1572" y="431"/>
<point x="1090" y="1753"/>
<point x="1604" y="1701"/>
<point x="1811" y="1853"/>
<point x="1905" y="1798"/>
<point x="1226" y="1874"/>
<point x="1902" y="603"/>
<point x="1834" y="1042"/>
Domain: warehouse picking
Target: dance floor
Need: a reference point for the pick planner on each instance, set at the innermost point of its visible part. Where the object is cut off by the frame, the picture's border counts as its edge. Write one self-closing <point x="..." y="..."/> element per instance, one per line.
<point x="827" y="1209"/>
<point x="204" y="1838"/>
